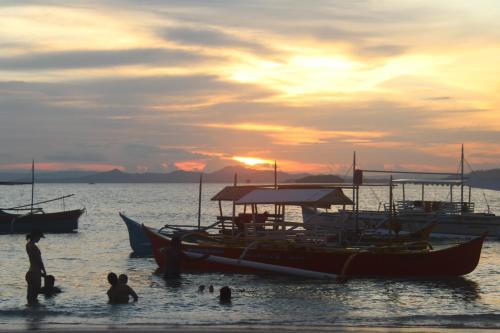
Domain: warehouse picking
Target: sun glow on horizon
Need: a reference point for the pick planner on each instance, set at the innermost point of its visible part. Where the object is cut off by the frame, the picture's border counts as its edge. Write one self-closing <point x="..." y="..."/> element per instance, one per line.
<point x="252" y="161"/>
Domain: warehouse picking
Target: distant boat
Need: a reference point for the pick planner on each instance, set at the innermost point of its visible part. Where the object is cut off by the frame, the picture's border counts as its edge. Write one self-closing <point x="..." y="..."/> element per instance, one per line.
<point x="25" y="218"/>
<point x="57" y="222"/>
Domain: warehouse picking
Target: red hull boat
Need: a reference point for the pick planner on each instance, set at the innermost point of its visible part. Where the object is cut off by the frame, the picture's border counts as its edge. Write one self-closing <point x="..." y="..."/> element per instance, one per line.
<point x="354" y="262"/>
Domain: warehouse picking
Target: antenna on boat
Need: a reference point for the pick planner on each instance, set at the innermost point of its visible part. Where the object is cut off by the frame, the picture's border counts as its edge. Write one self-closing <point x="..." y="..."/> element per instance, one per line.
<point x="199" y="201"/>
<point x="275" y="175"/>
<point x="32" y="183"/>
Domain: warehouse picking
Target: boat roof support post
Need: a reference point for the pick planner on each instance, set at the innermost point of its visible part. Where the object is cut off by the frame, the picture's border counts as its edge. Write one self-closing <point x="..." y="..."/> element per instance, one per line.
<point x="423" y="192"/>
<point x="451" y="195"/>
<point x="390" y="196"/>
<point x="404" y="196"/>
<point x="233" y="219"/>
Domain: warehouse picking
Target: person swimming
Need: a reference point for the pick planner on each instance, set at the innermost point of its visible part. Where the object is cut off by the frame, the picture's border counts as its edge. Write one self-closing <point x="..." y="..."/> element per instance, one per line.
<point x="48" y="288"/>
<point x="37" y="269"/>
<point x="122" y="281"/>
<point x="225" y="295"/>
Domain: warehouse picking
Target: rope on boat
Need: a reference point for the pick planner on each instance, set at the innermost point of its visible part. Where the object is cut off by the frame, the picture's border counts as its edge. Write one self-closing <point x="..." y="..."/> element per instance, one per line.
<point x="40" y="202"/>
<point x="342" y="276"/>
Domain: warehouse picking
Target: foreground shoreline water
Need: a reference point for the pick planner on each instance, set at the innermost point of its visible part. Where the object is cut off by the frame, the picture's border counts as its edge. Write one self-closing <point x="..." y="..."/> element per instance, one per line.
<point x="251" y="329"/>
<point x="81" y="261"/>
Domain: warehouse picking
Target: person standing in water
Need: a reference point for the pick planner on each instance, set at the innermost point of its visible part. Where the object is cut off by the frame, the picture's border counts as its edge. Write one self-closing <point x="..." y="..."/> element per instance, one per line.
<point x="174" y="257"/>
<point x="37" y="269"/>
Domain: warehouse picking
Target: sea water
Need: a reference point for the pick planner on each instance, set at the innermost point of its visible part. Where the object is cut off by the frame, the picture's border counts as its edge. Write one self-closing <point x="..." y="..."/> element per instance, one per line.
<point x="81" y="261"/>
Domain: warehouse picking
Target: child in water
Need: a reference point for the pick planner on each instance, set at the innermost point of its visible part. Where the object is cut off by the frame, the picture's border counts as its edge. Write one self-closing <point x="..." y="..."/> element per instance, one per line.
<point x="123" y="280"/>
<point x="48" y="288"/>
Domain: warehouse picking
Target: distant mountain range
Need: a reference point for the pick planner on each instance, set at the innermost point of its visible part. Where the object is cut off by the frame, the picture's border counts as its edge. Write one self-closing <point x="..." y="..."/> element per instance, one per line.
<point x="224" y="175"/>
<point x="489" y="179"/>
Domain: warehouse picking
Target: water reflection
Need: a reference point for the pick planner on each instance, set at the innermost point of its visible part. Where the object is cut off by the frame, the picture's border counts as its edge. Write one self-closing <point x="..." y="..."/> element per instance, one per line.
<point x="35" y="317"/>
<point x="460" y="288"/>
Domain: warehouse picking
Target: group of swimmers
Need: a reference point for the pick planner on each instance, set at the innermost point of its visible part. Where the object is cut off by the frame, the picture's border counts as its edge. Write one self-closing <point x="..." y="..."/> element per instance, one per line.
<point x="119" y="292"/>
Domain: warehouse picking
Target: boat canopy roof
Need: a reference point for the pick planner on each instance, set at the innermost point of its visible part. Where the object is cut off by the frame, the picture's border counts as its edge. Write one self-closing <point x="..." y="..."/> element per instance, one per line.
<point x="321" y="197"/>
<point x="447" y="182"/>
<point x="233" y="193"/>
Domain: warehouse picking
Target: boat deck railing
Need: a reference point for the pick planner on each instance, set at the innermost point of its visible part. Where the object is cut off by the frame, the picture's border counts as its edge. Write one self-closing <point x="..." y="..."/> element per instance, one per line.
<point x="443" y="207"/>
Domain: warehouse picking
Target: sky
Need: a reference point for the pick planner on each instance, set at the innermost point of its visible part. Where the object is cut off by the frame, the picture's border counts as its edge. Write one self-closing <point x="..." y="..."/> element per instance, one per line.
<point x="199" y="85"/>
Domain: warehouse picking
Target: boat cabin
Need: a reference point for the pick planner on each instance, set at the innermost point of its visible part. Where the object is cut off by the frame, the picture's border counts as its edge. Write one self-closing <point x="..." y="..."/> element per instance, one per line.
<point x="259" y="209"/>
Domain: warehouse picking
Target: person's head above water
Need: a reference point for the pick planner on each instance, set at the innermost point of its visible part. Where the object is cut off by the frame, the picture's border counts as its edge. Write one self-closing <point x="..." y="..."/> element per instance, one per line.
<point x="112" y="279"/>
<point x="225" y="294"/>
<point x="123" y="278"/>
<point x="49" y="281"/>
<point x="34" y="235"/>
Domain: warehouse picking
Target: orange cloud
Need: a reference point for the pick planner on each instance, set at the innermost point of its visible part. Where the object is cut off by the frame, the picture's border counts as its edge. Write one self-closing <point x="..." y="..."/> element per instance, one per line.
<point x="57" y="166"/>
<point x="190" y="165"/>
<point x="296" y="135"/>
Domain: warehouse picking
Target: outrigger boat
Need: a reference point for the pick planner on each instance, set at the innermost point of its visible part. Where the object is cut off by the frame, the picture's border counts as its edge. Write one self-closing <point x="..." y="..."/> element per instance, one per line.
<point x="25" y="218"/>
<point x="277" y="256"/>
<point x="257" y="242"/>
<point x="454" y="218"/>
<point x="244" y="227"/>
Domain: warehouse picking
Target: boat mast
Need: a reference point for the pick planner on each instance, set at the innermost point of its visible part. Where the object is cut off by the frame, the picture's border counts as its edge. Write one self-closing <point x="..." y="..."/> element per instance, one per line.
<point x="32" y="184"/>
<point x="462" y="179"/>
<point x="353" y="174"/>
<point x="199" y="201"/>
<point x="275" y="187"/>
<point x="355" y="192"/>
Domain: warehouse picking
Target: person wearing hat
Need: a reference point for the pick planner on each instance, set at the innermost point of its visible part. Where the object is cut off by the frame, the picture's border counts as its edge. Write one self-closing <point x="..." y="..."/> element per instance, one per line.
<point x="37" y="269"/>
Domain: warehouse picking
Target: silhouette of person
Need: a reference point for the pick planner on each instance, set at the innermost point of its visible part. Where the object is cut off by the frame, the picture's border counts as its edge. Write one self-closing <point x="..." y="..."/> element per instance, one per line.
<point x="201" y="288"/>
<point x="48" y="288"/>
<point x="37" y="269"/>
<point x="225" y="295"/>
<point x="211" y="288"/>
<point x="173" y="258"/>
<point x="122" y="283"/>
<point x="113" y="293"/>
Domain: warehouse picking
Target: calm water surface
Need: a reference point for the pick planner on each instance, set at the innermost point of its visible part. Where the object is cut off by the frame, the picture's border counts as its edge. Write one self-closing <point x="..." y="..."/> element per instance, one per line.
<point x="81" y="261"/>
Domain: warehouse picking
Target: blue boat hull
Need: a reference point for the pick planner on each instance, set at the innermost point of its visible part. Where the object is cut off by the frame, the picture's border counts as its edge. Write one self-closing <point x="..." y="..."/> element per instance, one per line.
<point x="139" y="242"/>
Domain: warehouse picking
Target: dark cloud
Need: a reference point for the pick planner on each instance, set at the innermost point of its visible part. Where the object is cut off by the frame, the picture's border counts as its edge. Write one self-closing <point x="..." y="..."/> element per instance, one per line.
<point x="75" y="157"/>
<point x="175" y="154"/>
<point x="99" y="59"/>
<point x="212" y="38"/>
